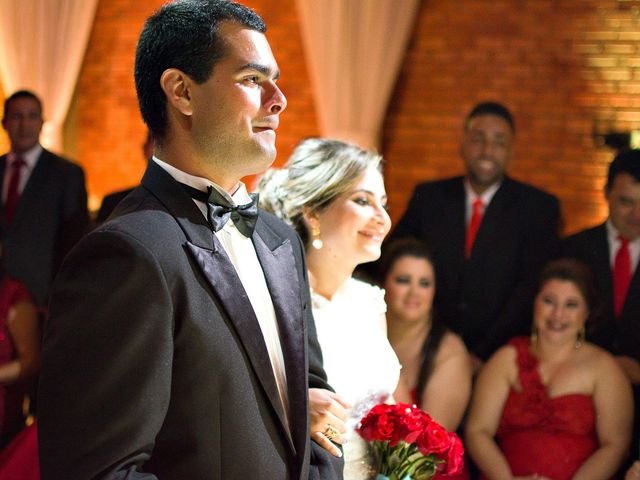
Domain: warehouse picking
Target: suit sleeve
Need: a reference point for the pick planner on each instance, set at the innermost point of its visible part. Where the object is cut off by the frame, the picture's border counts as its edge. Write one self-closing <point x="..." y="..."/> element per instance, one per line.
<point x="540" y="243"/>
<point x="106" y="363"/>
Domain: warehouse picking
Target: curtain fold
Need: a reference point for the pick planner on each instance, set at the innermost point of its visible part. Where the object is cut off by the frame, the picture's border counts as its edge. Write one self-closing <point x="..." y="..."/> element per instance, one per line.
<point x="354" y="50"/>
<point x="42" y="44"/>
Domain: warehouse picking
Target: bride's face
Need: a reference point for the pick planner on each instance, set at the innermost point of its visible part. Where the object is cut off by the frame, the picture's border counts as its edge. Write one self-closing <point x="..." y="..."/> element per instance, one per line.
<point x="409" y="289"/>
<point x="354" y="224"/>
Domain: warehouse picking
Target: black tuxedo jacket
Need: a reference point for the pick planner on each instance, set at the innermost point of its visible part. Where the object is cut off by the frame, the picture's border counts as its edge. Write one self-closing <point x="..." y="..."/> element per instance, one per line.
<point x="154" y="365"/>
<point x="620" y="336"/>
<point x="50" y="218"/>
<point x="110" y="202"/>
<point x="486" y="298"/>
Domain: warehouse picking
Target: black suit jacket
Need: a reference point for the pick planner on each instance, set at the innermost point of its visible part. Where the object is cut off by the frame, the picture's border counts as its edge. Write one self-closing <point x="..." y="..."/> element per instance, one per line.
<point x="620" y="336"/>
<point x="50" y="218"/>
<point x="154" y="365"/>
<point x="110" y="202"/>
<point x="487" y="297"/>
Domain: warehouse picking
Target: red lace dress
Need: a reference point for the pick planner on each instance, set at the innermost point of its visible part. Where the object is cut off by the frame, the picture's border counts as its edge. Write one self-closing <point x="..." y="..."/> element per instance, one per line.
<point x="538" y="434"/>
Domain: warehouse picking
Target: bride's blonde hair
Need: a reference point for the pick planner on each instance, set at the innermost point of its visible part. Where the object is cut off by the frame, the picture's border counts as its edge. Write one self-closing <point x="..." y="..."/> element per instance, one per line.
<point x="318" y="171"/>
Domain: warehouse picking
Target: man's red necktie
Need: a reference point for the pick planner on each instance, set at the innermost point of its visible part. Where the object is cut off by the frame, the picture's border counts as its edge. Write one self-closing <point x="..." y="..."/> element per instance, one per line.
<point x="621" y="275"/>
<point x="13" y="193"/>
<point x="474" y="226"/>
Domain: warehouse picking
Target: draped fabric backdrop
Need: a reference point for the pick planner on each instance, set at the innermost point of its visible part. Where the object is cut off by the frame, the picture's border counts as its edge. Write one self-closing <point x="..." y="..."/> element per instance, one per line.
<point x="42" y="44"/>
<point x="354" y="50"/>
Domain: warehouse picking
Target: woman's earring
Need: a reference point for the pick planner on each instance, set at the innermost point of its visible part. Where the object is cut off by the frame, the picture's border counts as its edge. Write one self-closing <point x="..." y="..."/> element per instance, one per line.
<point x="316" y="241"/>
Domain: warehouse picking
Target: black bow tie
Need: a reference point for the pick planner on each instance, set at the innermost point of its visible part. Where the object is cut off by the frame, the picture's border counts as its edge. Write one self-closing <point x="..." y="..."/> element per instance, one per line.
<point x="219" y="210"/>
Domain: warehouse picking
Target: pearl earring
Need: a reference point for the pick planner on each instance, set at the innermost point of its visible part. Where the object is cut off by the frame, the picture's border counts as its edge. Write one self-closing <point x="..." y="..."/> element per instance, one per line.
<point x="316" y="241"/>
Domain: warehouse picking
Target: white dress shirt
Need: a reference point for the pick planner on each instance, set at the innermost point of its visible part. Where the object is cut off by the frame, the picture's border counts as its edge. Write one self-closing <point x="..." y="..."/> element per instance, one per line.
<point x="243" y="256"/>
<point x="30" y="158"/>
<point x="472" y="196"/>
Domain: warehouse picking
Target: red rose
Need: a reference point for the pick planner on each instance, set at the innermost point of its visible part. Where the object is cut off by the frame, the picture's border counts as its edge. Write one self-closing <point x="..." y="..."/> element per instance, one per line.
<point x="434" y="439"/>
<point x="382" y="424"/>
<point x="414" y="423"/>
<point x="455" y="456"/>
<point x="390" y="428"/>
<point x="367" y="428"/>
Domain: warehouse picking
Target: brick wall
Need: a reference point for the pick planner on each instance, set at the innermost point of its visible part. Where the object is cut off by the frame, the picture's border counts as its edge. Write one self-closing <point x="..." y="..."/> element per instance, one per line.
<point x="110" y="130"/>
<point x="564" y="67"/>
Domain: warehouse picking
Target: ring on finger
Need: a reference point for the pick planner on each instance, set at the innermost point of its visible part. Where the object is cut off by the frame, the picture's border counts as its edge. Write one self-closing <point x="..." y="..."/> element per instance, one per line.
<point x="330" y="432"/>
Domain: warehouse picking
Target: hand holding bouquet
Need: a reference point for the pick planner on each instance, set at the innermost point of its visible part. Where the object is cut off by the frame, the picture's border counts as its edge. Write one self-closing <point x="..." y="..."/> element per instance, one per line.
<point x="407" y="444"/>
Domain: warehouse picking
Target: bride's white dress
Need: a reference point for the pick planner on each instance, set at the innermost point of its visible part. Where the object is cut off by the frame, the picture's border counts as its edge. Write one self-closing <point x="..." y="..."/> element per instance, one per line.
<point x="361" y="365"/>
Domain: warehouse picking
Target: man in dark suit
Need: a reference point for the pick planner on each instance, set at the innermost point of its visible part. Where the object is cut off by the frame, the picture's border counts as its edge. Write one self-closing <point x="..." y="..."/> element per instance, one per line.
<point x="180" y="345"/>
<point x="612" y="250"/>
<point x="44" y="201"/>
<point x="111" y="201"/>
<point x="489" y="235"/>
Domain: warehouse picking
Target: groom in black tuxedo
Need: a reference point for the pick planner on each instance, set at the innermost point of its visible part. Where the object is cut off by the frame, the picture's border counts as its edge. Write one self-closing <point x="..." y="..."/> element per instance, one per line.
<point x="180" y="343"/>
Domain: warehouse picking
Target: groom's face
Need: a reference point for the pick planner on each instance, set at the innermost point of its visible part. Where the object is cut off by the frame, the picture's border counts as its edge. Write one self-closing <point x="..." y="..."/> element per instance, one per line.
<point x="236" y="111"/>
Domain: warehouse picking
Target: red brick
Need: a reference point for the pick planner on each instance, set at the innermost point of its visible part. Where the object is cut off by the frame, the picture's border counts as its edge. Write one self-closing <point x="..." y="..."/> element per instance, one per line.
<point x="558" y="65"/>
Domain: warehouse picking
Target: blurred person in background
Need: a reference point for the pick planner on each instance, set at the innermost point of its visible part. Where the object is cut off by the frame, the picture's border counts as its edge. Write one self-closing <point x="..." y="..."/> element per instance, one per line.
<point x="554" y="406"/>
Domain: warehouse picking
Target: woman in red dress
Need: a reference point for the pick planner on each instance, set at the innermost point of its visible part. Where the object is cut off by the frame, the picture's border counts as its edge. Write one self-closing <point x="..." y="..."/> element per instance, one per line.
<point x="436" y="368"/>
<point x="554" y="406"/>
<point x="19" y="354"/>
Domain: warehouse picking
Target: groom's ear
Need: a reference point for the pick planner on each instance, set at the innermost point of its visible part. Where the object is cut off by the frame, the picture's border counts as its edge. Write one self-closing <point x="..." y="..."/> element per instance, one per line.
<point x="176" y="86"/>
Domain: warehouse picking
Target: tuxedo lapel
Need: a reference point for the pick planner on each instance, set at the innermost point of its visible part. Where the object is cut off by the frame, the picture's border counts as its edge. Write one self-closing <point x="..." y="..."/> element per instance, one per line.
<point x="224" y="281"/>
<point x="632" y="295"/>
<point x="458" y="224"/>
<point x="492" y="231"/>
<point x="279" y="267"/>
<point x="212" y="260"/>
<point x="601" y="264"/>
<point x="37" y="187"/>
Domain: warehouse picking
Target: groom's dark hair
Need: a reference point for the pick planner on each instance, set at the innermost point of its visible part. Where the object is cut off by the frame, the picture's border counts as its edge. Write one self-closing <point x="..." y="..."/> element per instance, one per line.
<point x="183" y="34"/>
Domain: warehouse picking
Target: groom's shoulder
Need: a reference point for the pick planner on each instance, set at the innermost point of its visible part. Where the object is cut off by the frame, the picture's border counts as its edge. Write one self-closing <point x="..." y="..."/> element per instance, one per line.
<point x="143" y="219"/>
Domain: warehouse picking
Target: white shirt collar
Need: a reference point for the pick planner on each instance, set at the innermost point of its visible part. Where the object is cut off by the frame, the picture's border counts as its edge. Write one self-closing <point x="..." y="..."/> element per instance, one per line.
<point x="614" y="244"/>
<point x="30" y="157"/>
<point x="239" y="197"/>
<point x="472" y="196"/>
<point x="486" y="196"/>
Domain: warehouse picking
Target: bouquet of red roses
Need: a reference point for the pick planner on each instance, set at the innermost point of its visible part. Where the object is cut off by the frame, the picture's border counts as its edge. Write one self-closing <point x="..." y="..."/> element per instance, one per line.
<point x="407" y="444"/>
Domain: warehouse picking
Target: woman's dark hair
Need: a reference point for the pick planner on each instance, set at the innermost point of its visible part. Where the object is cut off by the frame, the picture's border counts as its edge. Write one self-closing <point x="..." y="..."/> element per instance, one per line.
<point x="410" y="247"/>
<point x="576" y="272"/>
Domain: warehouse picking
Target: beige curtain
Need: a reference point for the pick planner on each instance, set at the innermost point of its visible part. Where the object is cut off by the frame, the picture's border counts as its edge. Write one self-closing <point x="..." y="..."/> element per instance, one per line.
<point x="42" y="44"/>
<point x="354" y="50"/>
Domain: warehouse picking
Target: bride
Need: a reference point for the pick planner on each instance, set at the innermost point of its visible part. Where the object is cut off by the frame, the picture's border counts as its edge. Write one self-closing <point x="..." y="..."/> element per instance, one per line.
<point x="333" y="194"/>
